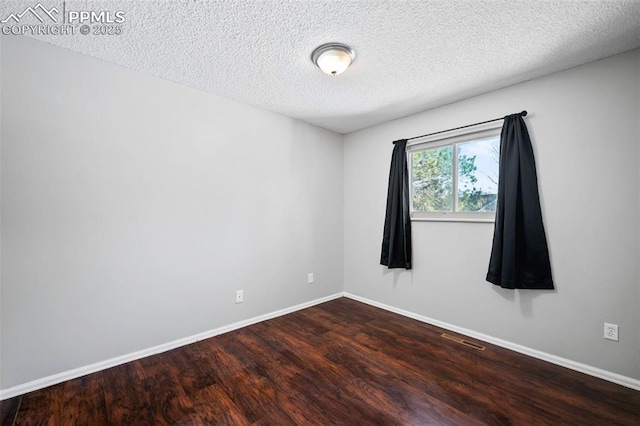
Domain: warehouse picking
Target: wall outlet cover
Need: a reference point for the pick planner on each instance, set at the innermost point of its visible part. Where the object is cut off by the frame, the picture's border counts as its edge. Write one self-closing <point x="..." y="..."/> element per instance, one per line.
<point x="611" y="331"/>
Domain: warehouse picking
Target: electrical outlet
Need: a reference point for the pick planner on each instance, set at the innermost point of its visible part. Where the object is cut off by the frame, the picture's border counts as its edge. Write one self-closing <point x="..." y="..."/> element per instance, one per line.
<point x="239" y="296"/>
<point x="310" y="278"/>
<point x="611" y="331"/>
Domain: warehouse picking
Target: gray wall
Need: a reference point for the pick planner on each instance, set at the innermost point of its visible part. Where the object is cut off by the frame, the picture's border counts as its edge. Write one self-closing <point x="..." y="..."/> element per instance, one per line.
<point x="584" y="128"/>
<point x="1" y="38"/>
<point x="133" y="208"/>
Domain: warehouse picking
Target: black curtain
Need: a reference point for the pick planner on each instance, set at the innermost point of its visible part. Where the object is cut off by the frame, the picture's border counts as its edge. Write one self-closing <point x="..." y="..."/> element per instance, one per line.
<point x="519" y="257"/>
<point x="396" y="240"/>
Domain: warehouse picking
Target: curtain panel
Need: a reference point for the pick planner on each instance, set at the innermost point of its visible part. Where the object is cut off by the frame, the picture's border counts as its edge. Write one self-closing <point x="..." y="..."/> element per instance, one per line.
<point x="519" y="256"/>
<point x="396" y="239"/>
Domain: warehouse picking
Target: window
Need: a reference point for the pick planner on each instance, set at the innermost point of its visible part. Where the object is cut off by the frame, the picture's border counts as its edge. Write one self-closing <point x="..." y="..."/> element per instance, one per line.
<point x="454" y="176"/>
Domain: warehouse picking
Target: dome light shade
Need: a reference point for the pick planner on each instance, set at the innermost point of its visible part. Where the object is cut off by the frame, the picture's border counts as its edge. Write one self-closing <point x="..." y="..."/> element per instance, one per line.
<point x="333" y="58"/>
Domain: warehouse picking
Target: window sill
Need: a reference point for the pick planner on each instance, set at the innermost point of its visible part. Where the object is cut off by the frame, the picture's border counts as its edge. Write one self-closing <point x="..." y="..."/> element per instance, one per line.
<point x="453" y="219"/>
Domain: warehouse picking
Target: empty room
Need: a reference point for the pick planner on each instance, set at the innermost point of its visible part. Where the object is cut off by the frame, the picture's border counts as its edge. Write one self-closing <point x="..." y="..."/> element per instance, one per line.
<point x="320" y="212"/>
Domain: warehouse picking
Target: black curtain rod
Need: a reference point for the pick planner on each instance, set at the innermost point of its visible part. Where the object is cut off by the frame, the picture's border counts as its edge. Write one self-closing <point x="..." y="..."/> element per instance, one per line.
<point x="523" y="114"/>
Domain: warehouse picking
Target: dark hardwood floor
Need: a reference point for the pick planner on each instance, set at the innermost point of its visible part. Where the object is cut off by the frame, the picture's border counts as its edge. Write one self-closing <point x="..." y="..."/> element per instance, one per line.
<point x="338" y="363"/>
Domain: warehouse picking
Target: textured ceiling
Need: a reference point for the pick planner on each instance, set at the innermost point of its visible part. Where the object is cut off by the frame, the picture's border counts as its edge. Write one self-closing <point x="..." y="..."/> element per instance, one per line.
<point x="411" y="55"/>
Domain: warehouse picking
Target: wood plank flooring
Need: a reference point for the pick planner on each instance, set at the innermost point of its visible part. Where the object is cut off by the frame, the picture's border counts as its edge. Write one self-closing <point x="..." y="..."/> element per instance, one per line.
<point x="338" y="363"/>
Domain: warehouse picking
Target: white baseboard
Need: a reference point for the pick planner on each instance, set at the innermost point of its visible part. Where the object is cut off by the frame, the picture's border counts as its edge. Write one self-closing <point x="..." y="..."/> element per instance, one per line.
<point x="103" y="365"/>
<point x="564" y="362"/>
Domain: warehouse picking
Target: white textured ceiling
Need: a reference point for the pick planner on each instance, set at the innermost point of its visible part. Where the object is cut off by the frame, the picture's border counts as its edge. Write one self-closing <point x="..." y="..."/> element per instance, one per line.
<point x="411" y="55"/>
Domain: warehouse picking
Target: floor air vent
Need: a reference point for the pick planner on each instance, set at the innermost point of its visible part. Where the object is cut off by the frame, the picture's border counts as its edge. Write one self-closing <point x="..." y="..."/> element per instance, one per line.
<point x="463" y="342"/>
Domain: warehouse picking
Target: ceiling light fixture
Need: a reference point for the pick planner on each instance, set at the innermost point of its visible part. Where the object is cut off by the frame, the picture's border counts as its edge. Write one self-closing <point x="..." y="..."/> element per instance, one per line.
<point x="333" y="58"/>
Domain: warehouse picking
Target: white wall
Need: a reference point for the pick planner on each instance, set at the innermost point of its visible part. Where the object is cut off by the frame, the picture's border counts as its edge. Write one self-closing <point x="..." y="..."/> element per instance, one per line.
<point x="586" y="137"/>
<point x="133" y="208"/>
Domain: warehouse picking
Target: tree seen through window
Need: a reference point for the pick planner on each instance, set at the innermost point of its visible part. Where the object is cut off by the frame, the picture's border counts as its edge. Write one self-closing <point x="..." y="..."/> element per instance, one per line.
<point x="432" y="177"/>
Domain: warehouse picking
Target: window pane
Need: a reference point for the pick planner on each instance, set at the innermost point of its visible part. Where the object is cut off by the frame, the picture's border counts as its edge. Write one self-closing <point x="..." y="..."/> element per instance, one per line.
<point x="478" y="175"/>
<point x="432" y="180"/>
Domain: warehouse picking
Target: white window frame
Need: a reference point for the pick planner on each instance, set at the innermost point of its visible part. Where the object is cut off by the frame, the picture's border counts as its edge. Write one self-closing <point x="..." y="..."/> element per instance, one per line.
<point x="452" y="138"/>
